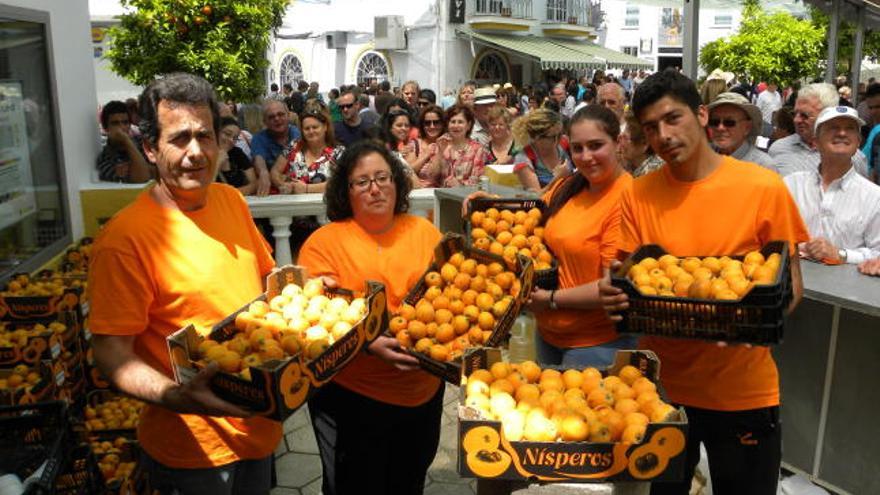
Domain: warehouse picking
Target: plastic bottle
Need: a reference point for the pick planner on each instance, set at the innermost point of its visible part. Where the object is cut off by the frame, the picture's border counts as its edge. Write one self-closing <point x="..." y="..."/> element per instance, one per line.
<point x="521" y="346"/>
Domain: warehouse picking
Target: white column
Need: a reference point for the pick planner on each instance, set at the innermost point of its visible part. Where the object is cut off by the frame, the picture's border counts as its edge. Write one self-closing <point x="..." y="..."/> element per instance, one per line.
<point x="281" y="233"/>
<point x="691" y="38"/>
<point x="858" y="42"/>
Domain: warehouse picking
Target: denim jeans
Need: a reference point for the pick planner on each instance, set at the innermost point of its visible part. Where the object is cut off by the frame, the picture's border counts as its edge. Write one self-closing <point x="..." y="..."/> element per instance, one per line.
<point x="600" y="356"/>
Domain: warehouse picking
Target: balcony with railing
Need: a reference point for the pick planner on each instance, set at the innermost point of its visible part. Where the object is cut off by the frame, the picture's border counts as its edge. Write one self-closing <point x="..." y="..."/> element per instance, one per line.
<point x="501" y="15"/>
<point x="568" y="18"/>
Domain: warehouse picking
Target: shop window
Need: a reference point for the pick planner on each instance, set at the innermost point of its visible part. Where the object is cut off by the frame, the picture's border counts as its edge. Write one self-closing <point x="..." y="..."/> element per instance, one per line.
<point x="33" y="219"/>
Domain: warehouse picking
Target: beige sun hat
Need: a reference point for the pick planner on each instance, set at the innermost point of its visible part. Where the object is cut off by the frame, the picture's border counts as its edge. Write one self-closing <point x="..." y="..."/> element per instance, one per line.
<point x="484" y="96"/>
<point x="740" y="101"/>
<point x="720" y="74"/>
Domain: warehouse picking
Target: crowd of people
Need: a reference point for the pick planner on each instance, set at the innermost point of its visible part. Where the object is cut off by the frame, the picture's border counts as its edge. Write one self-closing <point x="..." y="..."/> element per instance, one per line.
<point x="619" y="163"/>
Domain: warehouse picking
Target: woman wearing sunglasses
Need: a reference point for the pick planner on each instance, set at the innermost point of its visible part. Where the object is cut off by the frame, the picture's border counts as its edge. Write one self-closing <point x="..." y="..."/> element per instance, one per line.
<point x="377" y="422"/>
<point x="545" y="152"/>
<point x="431" y="127"/>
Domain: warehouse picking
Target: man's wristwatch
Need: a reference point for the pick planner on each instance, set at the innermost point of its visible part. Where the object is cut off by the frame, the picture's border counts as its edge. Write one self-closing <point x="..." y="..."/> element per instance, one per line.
<point x="553" y="300"/>
<point x="841" y="253"/>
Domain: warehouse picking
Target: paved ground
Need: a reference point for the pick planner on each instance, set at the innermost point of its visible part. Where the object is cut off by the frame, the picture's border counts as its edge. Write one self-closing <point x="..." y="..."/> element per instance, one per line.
<point x="299" y="468"/>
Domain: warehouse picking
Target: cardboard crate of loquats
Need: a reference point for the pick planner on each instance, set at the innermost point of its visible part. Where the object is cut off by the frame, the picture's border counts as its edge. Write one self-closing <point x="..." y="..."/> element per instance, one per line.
<point x="277" y="387"/>
<point x="491" y="448"/>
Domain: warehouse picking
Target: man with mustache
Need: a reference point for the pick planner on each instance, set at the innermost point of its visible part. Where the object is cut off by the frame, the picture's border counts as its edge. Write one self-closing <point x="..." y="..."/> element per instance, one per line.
<point x="798" y="151"/>
<point x="701" y="204"/>
<point x="185" y="251"/>
<point x="841" y="208"/>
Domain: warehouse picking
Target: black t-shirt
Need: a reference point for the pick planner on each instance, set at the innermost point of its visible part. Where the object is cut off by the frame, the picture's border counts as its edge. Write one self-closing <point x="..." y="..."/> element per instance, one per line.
<point x="348" y="135"/>
<point x="238" y="163"/>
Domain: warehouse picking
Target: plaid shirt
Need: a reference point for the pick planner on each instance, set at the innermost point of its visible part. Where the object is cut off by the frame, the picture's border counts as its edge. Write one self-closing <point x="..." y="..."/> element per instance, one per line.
<point x="111" y="156"/>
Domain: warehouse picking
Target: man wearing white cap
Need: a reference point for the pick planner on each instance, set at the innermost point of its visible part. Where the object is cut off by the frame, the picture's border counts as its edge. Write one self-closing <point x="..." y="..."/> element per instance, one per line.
<point x="840" y="207"/>
<point x="484" y="100"/>
<point x="733" y="125"/>
<point x="797" y="152"/>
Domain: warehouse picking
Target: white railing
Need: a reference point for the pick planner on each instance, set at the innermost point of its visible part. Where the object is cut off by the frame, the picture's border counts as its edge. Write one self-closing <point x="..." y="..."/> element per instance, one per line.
<point x="281" y="208"/>
<point x="518" y="9"/>
<point x="569" y="11"/>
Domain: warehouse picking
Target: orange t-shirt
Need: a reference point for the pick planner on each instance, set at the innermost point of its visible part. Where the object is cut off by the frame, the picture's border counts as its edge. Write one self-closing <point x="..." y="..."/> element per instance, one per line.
<point x="154" y="270"/>
<point x="736" y="209"/>
<point x="345" y="252"/>
<point x="583" y="236"/>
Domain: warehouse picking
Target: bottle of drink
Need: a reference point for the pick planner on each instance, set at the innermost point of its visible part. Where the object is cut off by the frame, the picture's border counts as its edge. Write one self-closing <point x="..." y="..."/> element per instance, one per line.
<point x="484" y="183"/>
<point x="521" y="346"/>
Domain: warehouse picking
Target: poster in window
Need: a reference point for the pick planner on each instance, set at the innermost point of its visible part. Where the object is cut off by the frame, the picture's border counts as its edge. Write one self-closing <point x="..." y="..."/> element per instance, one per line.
<point x="456" y="11"/>
<point x="16" y="182"/>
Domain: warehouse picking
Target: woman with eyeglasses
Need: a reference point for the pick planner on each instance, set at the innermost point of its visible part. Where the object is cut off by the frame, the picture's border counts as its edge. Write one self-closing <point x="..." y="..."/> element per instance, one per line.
<point x="460" y="160"/>
<point x="234" y="167"/>
<point x="307" y="166"/>
<point x="502" y="147"/>
<point x="377" y="423"/>
<point x="545" y="150"/>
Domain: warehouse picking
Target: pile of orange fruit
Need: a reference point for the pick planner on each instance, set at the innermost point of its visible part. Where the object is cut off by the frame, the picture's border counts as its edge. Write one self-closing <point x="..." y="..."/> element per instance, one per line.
<point x="721" y="278"/>
<point x="460" y="308"/>
<point x="19" y="336"/>
<point x="22" y="376"/>
<point x="546" y="405"/>
<point x="113" y="414"/>
<point x="507" y="233"/>
<point x="21" y="285"/>
<point x="299" y="319"/>
<point x="110" y="462"/>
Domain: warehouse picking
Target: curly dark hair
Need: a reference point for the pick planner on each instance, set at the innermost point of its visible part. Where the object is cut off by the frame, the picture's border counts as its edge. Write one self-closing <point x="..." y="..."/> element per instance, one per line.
<point x="112" y="108"/>
<point x="388" y="121"/>
<point x="336" y="194"/>
<point x="179" y="88"/>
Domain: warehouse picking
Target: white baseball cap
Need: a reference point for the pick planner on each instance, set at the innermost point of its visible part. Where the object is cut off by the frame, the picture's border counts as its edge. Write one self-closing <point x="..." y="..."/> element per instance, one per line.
<point x="836" y="113"/>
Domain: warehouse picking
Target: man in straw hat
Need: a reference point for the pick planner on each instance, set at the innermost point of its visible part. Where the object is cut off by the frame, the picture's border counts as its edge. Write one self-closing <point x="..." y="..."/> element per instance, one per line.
<point x="484" y="100"/>
<point x="733" y="125"/>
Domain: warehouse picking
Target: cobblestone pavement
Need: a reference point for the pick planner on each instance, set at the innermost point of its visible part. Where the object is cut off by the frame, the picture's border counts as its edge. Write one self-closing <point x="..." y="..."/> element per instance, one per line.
<point x="299" y="467"/>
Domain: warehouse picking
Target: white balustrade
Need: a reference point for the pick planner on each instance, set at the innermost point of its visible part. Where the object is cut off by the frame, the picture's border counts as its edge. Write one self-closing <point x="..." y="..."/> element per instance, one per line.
<point x="281" y="208"/>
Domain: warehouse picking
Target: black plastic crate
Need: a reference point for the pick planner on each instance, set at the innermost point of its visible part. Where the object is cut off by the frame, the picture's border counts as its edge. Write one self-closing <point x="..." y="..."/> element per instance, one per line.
<point x="34" y="436"/>
<point x="756" y="318"/>
<point x="545" y="279"/>
<point x="81" y="475"/>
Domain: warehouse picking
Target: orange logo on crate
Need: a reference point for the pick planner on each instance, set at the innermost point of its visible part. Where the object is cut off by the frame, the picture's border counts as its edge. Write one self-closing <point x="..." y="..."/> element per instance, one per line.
<point x="489" y="455"/>
<point x="294" y="387"/>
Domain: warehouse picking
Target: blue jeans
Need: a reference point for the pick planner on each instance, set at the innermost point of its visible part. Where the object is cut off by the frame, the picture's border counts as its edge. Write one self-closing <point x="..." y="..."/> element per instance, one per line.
<point x="600" y="356"/>
<point x="244" y="477"/>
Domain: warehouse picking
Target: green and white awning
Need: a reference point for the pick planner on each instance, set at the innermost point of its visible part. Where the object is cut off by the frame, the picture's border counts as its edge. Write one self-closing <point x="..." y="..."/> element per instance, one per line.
<point x="611" y="58"/>
<point x="548" y="53"/>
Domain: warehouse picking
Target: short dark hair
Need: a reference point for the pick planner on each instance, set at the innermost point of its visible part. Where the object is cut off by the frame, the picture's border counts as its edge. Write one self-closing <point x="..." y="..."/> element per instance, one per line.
<point x="229" y="120"/>
<point x="336" y="195"/>
<point x="179" y="88"/>
<point x="302" y="86"/>
<point x="288" y="87"/>
<point x="385" y="86"/>
<point x="668" y="82"/>
<point x="274" y="87"/>
<point x="465" y="110"/>
<point x="111" y="108"/>
<point x="873" y="90"/>
<point x="428" y="94"/>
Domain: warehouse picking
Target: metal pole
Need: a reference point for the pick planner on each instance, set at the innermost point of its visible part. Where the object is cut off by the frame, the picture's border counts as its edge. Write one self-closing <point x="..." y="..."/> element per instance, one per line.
<point x="691" y="38"/>
<point x="858" y="41"/>
<point x="830" y="71"/>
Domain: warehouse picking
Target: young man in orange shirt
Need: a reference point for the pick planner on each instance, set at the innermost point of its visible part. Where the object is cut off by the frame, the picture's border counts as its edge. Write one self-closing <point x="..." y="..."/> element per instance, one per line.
<point x="167" y="260"/>
<point x="703" y="204"/>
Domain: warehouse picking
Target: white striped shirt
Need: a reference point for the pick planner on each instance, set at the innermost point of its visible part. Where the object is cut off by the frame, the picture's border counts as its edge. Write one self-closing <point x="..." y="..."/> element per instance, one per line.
<point x="791" y="154"/>
<point x="847" y="214"/>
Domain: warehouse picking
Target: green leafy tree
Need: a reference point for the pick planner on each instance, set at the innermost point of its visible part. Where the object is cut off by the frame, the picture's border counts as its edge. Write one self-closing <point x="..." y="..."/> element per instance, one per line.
<point x="768" y="47"/>
<point x="224" y="41"/>
<point x="845" y="40"/>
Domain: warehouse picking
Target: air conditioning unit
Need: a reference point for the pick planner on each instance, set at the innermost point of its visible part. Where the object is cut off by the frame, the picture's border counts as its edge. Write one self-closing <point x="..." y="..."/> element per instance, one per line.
<point x="336" y="40"/>
<point x="389" y="32"/>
